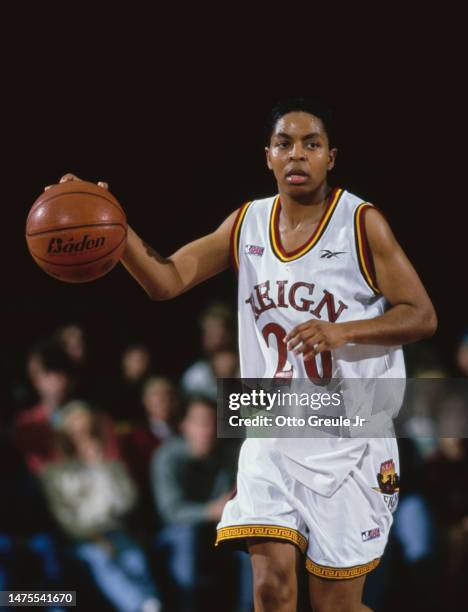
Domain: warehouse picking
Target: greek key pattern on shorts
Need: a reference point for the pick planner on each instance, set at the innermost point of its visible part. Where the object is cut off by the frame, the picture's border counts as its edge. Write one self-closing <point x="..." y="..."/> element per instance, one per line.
<point x="262" y="531"/>
<point x="340" y="573"/>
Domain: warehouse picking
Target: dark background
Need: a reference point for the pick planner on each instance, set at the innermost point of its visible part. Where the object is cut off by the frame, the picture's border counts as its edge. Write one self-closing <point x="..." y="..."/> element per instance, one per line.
<point x="167" y="104"/>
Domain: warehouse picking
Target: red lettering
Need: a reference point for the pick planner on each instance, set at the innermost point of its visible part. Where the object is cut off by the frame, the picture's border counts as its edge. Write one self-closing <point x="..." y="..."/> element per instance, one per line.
<point x="281" y="284"/>
<point x="280" y="334"/>
<point x="329" y="301"/>
<point x="255" y="310"/>
<point x="264" y="300"/>
<point x="305" y="304"/>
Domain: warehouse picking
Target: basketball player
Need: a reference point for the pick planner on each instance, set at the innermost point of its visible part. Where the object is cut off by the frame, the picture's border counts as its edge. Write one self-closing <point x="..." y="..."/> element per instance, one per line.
<point x="324" y="290"/>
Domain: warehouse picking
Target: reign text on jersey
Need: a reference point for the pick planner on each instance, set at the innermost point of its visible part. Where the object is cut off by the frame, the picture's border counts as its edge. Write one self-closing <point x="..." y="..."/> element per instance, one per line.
<point x="264" y="297"/>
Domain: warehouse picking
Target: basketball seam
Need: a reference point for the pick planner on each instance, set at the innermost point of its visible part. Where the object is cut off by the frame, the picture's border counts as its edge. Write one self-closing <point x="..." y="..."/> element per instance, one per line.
<point x="70" y="227"/>
<point x="83" y="263"/>
<point x="60" y="195"/>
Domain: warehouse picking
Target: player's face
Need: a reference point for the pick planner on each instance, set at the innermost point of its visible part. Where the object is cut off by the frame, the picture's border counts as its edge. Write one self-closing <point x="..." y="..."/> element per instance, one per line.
<point x="299" y="154"/>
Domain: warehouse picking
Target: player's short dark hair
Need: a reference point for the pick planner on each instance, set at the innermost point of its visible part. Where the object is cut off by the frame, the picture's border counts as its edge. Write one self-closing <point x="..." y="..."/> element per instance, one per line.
<point x="313" y="106"/>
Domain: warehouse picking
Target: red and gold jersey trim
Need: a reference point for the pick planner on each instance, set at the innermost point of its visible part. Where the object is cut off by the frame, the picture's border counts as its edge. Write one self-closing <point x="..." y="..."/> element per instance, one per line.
<point x="275" y="236"/>
<point x="366" y="265"/>
<point x="275" y="532"/>
<point x="340" y="573"/>
<point x="235" y="232"/>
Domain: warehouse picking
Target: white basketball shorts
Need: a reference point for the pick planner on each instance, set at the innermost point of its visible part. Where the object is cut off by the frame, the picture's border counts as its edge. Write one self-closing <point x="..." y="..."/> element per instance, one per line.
<point x="342" y="535"/>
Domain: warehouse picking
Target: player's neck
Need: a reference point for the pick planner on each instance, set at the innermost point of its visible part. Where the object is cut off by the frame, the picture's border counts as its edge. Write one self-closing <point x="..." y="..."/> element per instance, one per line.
<point x="308" y="208"/>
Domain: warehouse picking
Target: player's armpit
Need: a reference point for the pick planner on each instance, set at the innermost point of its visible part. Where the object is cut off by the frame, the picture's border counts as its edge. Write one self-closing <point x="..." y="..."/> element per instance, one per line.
<point x="164" y="278"/>
<point x="412" y="315"/>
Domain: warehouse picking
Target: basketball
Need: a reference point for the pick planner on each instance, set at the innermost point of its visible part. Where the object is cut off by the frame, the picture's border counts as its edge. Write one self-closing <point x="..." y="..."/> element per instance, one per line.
<point x="76" y="231"/>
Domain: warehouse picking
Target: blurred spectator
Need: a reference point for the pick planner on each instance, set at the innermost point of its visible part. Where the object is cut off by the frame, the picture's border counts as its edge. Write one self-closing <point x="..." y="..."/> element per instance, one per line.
<point x="136" y="362"/>
<point x="193" y="478"/>
<point x="52" y="377"/>
<point x="217" y="327"/>
<point x="414" y="533"/>
<point x="161" y="404"/>
<point x="44" y="355"/>
<point x="424" y="394"/>
<point x="135" y="367"/>
<point x="90" y="497"/>
<point x="225" y="364"/>
<point x="462" y="355"/>
<point x="28" y="550"/>
<point x="446" y="478"/>
<point x="72" y="339"/>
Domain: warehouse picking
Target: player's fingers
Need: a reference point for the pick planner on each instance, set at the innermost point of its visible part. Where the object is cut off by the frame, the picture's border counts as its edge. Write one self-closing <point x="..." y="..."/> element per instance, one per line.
<point x="303" y="339"/>
<point x="296" y="340"/>
<point x="317" y="348"/>
<point x="309" y="325"/>
<point x="69" y="177"/>
<point x="103" y="184"/>
<point x="309" y="343"/>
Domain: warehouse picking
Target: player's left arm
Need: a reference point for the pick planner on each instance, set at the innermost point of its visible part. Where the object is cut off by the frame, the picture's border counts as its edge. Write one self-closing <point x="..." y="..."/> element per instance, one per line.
<point x="410" y="317"/>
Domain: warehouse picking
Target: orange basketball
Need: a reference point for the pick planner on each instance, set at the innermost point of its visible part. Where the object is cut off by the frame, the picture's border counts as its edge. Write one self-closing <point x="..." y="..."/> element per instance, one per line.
<point x="76" y="231"/>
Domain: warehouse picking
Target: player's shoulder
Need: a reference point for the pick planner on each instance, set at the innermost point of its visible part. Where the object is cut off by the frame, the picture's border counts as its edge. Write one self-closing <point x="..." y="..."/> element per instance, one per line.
<point x="351" y="200"/>
<point x="254" y="208"/>
<point x="261" y="203"/>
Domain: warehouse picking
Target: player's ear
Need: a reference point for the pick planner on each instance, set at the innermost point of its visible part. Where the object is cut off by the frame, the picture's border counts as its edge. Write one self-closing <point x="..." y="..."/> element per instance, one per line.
<point x="332" y="153"/>
<point x="268" y="161"/>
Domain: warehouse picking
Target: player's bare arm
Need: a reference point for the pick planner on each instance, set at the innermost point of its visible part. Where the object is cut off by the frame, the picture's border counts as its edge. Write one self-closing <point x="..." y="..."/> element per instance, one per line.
<point x="164" y="278"/>
<point x="411" y="315"/>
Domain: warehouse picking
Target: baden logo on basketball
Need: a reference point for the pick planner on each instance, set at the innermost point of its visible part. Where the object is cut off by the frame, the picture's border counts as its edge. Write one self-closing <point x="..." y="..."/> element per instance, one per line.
<point x="57" y="245"/>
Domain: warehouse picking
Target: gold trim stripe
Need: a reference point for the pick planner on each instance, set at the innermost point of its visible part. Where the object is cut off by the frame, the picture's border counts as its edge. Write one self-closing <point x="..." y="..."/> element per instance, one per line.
<point x="279" y="251"/>
<point x="340" y="573"/>
<point x="235" y="234"/>
<point x="262" y="531"/>
<point x="360" y="243"/>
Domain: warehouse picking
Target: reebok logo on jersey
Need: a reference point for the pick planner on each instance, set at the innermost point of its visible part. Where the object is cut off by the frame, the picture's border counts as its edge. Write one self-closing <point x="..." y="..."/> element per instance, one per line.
<point x="326" y="254"/>
<point x="370" y="534"/>
<point x="252" y="249"/>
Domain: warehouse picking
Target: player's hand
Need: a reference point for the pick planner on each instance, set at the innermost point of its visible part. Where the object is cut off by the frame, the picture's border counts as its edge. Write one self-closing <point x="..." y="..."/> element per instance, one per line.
<point x="72" y="177"/>
<point x="314" y="337"/>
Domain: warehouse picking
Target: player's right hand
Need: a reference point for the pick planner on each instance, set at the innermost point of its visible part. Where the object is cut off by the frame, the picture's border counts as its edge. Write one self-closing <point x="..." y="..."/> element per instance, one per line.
<point x="72" y="177"/>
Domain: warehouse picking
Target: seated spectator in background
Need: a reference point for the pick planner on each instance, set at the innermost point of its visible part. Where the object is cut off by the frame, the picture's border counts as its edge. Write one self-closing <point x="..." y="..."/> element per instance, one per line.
<point x="135" y="370"/>
<point x="90" y="497"/>
<point x="446" y="478"/>
<point x="217" y="327"/>
<point x="462" y="355"/>
<point x="52" y="376"/>
<point x="424" y="395"/>
<point x="225" y="364"/>
<point x="415" y="535"/>
<point x="161" y="404"/>
<point x="28" y="549"/>
<point x="193" y="477"/>
<point x="72" y="339"/>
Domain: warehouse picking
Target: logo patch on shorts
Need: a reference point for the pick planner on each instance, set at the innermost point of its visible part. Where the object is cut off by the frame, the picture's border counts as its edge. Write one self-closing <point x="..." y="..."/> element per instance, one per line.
<point x="370" y="534"/>
<point x="389" y="483"/>
<point x="387" y="478"/>
<point x="253" y="249"/>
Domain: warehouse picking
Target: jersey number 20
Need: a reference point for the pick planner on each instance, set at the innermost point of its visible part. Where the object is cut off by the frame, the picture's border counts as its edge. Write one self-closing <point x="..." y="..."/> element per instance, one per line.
<point x="310" y="365"/>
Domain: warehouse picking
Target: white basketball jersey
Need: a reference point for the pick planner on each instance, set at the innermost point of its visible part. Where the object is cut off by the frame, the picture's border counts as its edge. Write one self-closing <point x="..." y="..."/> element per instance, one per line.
<point x="330" y="278"/>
